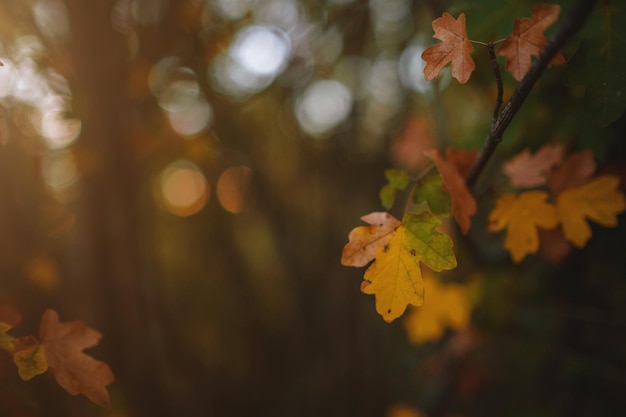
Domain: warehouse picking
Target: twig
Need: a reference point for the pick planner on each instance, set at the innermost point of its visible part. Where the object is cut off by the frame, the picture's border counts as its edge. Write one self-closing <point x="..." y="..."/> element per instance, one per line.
<point x="571" y="24"/>
<point x="498" y="75"/>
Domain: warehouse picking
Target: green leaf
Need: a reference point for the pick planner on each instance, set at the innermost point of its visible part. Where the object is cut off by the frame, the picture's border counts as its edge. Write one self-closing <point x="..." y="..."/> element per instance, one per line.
<point x="429" y="191"/>
<point x="397" y="179"/>
<point x="600" y="64"/>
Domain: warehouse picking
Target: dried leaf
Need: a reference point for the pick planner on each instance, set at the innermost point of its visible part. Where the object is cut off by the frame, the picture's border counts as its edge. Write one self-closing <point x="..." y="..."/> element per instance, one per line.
<point x="452" y="170"/>
<point x="395" y="276"/>
<point x="521" y="215"/>
<point x="365" y="241"/>
<point x="575" y="171"/>
<point x="6" y="340"/>
<point x="75" y="371"/>
<point x="528" y="39"/>
<point x="599" y="200"/>
<point x="455" y="48"/>
<point x="526" y="170"/>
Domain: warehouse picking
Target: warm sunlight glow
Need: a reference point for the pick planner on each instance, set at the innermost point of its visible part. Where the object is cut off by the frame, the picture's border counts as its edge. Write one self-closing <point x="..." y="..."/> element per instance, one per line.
<point x="184" y="188"/>
<point x="233" y="187"/>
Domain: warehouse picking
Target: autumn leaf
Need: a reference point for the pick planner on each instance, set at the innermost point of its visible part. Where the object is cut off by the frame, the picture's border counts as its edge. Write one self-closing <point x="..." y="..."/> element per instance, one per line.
<point x="6" y="340"/>
<point x="455" y="48"/>
<point x="395" y="276"/>
<point x="452" y="170"/>
<point x="429" y="192"/>
<point x="365" y="241"/>
<point x="528" y="39"/>
<point x="446" y="305"/>
<point x="599" y="200"/>
<point x="75" y="371"/>
<point x="29" y="357"/>
<point x="521" y="215"/>
<point x="575" y="171"/>
<point x="526" y="170"/>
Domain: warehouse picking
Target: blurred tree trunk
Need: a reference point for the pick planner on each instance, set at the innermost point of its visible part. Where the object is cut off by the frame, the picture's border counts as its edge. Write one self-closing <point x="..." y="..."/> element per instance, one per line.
<point x="107" y="233"/>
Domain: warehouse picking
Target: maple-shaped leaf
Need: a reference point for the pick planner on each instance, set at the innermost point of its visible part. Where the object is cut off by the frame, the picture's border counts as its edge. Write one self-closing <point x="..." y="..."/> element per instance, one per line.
<point x="599" y="200"/>
<point x="577" y="169"/>
<point x="521" y="215"/>
<point x="446" y="305"/>
<point x="395" y="276"/>
<point x="365" y="241"/>
<point x="526" y="170"/>
<point x="29" y="357"/>
<point x="75" y="371"/>
<point x="455" y="48"/>
<point x="429" y="192"/>
<point x="452" y="170"/>
<point x="528" y="39"/>
<point x="397" y="180"/>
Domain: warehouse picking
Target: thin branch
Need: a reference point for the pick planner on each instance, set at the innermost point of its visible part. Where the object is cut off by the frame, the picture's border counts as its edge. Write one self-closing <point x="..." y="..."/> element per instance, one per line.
<point x="571" y="25"/>
<point x="498" y="75"/>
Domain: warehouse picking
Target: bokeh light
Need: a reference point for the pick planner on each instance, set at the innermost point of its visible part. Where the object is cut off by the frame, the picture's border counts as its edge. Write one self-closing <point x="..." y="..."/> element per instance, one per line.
<point x="233" y="188"/>
<point x="59" y="171"/>
<point x="51" y="18"/>
<point x="261" y="50"/>
<point x="322" y="106"/>
<point x="184" y="188"/>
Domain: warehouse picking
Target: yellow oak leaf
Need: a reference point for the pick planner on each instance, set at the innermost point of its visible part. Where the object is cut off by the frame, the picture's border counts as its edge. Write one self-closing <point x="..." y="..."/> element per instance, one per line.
<point x="521" y="215"/>
<point x="395" y="277"/>
<point x="6" y="340"/>
<point x="446" y="305"/>
<point x="599" y="200"/>
<point x="365" y="241"/>
<point x="29" y="357"/>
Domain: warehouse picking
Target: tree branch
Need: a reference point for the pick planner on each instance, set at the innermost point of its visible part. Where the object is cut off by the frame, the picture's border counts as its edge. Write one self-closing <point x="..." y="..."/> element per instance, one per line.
<point x="570" y="26"/>
<point x="498" y="75"/>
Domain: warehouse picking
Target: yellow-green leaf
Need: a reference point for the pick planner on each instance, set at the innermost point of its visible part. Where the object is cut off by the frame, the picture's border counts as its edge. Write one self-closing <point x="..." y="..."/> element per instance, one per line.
<point x="521" y="215"/>
<point x="599" y="200"/>
<point x="30" y="358"/>
<point x="395" y="277"/>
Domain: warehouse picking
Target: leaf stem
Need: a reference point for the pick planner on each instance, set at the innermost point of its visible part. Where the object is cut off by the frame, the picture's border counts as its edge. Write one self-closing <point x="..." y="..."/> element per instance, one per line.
<point x="570" y="26"/>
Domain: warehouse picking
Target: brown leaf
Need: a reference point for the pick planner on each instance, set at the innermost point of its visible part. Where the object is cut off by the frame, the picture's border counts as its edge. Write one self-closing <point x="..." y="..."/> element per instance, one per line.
<point x="575" y="171"/>
<point x="365" y="241"/>
<point x="453" y="170"/>
<point x="407" y="149"/>
<point x="526" y="170"/>
<point x="455" y="48"/>
<point x="528" y="39"/>
<point x="75" y="371"/>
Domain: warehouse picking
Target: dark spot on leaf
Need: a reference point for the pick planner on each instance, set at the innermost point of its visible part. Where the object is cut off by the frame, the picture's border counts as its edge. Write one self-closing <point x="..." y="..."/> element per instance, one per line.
<point x="389" y="311"/>
<point x="385" y="248"/>
<point x="413" y="252"/>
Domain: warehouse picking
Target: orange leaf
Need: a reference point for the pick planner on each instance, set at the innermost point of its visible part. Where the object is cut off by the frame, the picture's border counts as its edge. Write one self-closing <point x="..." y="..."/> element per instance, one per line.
<point x="365" y="241"/>
<point x="521" y="215"/>
<point x="75" y="371"/>
<point x="527" y="39"/>
<point x="452" y="171"/>
<point x="575" y="171"/>
<point x="599" y="200"/>
<point x="526" y="170"/>
<point x="454" y="48"/>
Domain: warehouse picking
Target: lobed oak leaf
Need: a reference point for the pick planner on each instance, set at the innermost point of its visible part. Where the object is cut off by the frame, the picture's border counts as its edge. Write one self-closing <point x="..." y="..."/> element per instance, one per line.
<point x="528" y="39"/>
<point x="29" y="357"/>
<point x="453" y="169"/>
<point x="395" y="277"/>
<point x="74" y="370"/>
<point x="575" y="171"/>
<point x="364" y="242"/>
<point x="521" y="215"/>
<point x="526" y="170"/>
<point x="599" y="200"/>
<point x="455" y="48"/>
<point x="447" y="305"/>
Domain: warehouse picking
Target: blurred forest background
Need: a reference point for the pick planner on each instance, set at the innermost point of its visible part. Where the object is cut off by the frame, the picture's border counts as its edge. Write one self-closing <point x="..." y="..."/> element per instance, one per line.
<point x="182" y="176"/>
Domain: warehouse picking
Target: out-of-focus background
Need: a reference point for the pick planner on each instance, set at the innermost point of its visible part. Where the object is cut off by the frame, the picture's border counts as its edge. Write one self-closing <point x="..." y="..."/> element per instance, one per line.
<point x="183" y="174"/>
